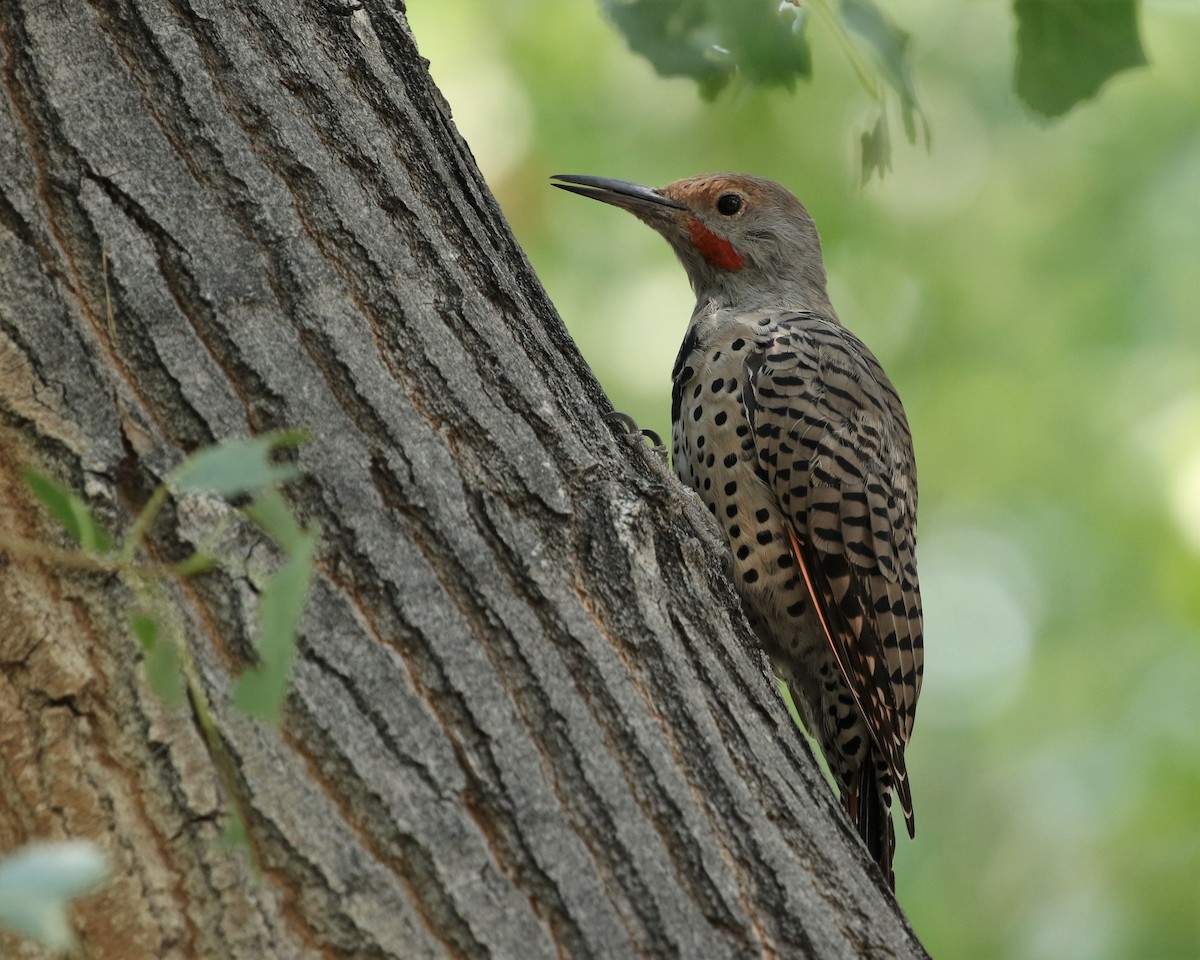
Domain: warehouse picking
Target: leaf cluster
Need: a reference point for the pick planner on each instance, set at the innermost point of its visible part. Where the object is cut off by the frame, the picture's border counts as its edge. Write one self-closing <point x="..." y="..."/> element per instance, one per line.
<point x="1066" y="50"/>
<point x="37" y="884"/>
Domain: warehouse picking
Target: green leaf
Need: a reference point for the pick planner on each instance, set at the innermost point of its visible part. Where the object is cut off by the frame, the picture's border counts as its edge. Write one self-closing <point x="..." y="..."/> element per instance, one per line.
<point x="37" y="884"/>
<point x="876" y="149"/>
<point x="1067" y="49"/>
<point x="271" y="512"/>
<point x="236" y="466"/>
<point x="163" y="669"/>
<point x="711" y="41"/>
<point x="889" y="42"/>
<point x="68" y="509"/>
<point x="889" y="48"/>
<point x="261" y="690"/>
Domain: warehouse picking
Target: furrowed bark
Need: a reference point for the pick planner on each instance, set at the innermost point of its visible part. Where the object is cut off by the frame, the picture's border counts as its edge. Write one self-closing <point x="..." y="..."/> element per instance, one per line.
<point x="528" y="719"/>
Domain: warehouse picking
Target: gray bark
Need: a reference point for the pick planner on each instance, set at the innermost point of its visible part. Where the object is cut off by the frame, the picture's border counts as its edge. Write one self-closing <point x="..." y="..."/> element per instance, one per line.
<point x="527" y="719"/>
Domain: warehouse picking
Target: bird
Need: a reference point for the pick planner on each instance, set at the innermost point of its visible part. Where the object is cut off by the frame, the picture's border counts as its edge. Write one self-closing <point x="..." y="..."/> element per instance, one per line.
<point x="790" y="431"/>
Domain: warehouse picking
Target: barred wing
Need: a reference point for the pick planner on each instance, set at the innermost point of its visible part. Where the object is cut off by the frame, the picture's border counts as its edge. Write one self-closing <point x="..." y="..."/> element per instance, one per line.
<point x="834" y="445"/>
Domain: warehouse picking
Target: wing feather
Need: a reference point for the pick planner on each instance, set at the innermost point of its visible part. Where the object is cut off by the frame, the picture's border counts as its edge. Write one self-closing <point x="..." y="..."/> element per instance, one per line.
<point x="835" y="447"/>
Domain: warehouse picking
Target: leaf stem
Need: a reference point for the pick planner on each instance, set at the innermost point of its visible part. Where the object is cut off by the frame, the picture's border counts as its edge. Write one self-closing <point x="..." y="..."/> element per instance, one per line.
<point x="19" y="547"/>
<point x="866" y="76"/>
<point x="142" y="522"/>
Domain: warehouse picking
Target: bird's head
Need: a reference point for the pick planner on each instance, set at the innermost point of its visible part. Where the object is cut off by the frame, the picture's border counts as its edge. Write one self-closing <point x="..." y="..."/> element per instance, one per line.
<point x="744" y="241"/>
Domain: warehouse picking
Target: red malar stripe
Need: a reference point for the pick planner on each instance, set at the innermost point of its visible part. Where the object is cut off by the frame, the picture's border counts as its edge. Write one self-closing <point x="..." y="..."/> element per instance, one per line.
<point x="718" y="252"/>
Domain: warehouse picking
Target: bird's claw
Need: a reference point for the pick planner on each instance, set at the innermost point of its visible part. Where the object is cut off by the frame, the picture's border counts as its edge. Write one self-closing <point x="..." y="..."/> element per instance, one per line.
<point x="635" y="433"/>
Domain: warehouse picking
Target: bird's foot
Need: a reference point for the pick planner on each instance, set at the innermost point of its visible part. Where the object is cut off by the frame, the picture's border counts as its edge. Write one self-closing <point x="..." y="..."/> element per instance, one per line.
<point x="633" y="432"/>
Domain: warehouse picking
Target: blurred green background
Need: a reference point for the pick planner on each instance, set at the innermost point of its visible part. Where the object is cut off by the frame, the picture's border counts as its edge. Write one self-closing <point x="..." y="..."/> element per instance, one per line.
<point x="1034" y="291"/>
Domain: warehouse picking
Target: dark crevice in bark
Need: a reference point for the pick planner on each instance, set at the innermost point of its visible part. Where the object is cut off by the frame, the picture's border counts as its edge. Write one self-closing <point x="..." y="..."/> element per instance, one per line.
<point x="594" y="822"/>
<point x="135" y="342"/>
<point x="373" y="824"/>
<point x="656" y="804"/>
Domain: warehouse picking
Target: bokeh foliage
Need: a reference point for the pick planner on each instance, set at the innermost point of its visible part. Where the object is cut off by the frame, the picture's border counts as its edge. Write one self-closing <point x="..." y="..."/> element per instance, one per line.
<point x="1034" y="291"/>
<point x="1065" y="51"/>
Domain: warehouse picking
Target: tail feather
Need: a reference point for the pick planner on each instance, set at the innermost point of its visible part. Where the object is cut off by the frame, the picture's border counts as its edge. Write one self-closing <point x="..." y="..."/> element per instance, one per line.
<point x="869" y="807"/>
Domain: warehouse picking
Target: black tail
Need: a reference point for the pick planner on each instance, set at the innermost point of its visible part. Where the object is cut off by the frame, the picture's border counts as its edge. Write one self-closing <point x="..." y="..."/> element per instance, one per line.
<point x="870" y="808"/>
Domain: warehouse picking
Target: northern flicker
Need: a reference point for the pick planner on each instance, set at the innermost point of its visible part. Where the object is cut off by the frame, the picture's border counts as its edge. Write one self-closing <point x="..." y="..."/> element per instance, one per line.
<point x="787" y="427"/>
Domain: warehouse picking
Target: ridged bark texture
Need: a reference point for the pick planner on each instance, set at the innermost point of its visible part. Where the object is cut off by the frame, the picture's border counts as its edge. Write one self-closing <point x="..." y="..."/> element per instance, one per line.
<point x="527" y="718"/>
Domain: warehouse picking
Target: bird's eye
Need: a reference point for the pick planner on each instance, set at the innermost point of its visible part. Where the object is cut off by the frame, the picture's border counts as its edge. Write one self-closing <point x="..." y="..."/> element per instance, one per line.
<point x="728" y="204"/>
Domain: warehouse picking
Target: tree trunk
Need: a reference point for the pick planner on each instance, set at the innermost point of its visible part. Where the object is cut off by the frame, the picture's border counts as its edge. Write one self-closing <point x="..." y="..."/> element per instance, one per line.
<point x="527" y="717"/>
